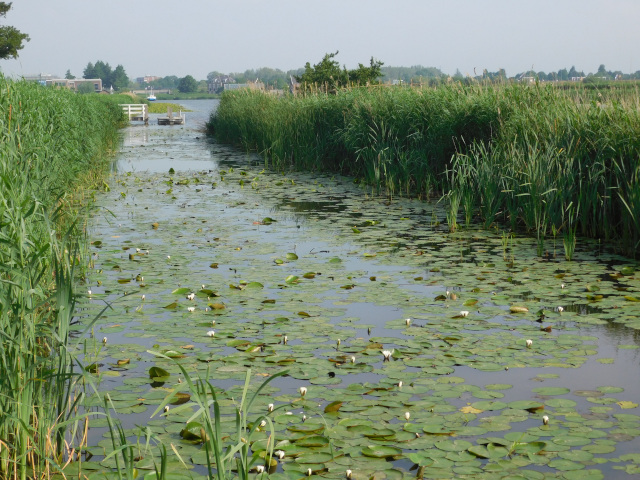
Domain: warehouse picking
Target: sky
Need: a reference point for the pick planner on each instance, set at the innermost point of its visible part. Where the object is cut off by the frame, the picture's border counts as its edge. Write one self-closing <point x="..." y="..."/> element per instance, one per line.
<point x="195" y="37"/>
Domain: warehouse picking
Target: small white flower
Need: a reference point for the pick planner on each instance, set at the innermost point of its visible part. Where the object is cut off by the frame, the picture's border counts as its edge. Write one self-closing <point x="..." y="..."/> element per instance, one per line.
<point x="309" y="472"/>
<point x="89" y="292"/>
<point x="417" y="435"/>
<point x="270" y="407"/>
<point x="104" y="339"/>
<point x="407" y="416"/>
<point x="203" y="286"/>
<point x="400" y="384"/>
<point x="263" y="423"/>
<point x="304" y="418"/>
<point x="545" y="420"/>
<point x="338" y="342"/>
<point x="288" y="413"/>
<point x="407" y="321"/>
<point x="387" y="354"/>
<point x="137" y="250"/>
<point x="211" y="333"/>
<point x="191" y="296"/>
<point x="560" y="309"/>
<point x="191" y="309"/>
<point x="143" y="297"/>
<point x="562" y="285"/>
<point x="166" y="408"/>
<point x="285" y="340"/>
<point x="349" y="474"/>
<point x="353" y="359"/>
<point x="213" y="322"/>
<point x="464" y="313"/>
<point x="303" y="391"/>
<point x="260" y="468"/>
<point x="529" y="343"/>
<point x="448" y="293"/>
<point x="168" y="257"/>
<point x="280" y="454"/>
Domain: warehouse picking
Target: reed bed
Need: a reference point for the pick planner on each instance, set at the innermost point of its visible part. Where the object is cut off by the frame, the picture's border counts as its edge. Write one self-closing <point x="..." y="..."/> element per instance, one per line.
<point x="51" y="143"/>
<point x="547" y="160"/>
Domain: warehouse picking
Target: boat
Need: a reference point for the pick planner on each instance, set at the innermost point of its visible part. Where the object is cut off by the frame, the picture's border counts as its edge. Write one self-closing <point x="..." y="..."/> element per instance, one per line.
<point x="151" y="96"/>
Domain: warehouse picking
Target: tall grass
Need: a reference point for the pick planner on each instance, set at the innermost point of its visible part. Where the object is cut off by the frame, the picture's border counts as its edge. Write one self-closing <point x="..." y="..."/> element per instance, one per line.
<point x="535" y="157"/>
<point x="50" y="141"/>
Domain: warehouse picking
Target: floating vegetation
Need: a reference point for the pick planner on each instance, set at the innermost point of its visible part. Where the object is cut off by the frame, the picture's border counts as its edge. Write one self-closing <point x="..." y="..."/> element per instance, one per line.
<point x="471" y="386"/>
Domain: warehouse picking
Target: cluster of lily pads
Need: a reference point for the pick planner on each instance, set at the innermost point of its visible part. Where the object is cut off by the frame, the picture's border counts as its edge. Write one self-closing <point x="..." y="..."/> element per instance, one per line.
<point x="409" y="350"/>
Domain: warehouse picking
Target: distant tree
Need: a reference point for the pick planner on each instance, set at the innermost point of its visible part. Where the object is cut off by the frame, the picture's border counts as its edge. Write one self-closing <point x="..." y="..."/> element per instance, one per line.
<point x="119" y="79"/>
<point x="212" y="75"/>
<point x="169" y="82"/>
<point x="68" y="75"/>
<point x="11" y="39"/>
<point x="187" y="84"/>
<point x="89" y="71"/>
<point x="328" y="75"/>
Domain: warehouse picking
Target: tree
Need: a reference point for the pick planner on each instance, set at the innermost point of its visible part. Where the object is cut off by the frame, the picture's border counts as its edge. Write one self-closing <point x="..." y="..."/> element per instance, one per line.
<point x="11" y="39"/>
<point x="119" y="79"/>
<point x="328" y="75"/>
<point x="68" y="75"/>
<point x="187" y="84"/>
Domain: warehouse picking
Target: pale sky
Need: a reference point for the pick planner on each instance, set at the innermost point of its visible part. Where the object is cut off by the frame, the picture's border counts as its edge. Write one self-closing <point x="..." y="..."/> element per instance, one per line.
<point x="195" y="37"/>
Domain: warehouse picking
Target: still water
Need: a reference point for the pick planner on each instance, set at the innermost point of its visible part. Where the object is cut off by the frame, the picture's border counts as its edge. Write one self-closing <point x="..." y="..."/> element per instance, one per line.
<point x="316" y="275"/>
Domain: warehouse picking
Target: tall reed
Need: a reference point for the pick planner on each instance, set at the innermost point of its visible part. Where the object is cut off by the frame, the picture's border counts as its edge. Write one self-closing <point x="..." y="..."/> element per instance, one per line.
<point x="519" y="153"/>
<point x="49" y="141"/>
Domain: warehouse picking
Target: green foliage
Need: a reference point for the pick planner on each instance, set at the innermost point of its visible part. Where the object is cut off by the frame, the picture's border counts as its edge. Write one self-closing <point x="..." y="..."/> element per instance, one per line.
<point x="187" y="84"/>
<point x="538" y="158"/>
<point x="51" y="140"/>
<point x="11" y="39"/>
<point x="328" y="76"/>
<point x="110" y="78"/>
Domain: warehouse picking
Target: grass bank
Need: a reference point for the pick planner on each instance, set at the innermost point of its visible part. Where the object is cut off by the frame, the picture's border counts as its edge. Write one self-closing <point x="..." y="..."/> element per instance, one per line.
<point x="52" y="144"/>
<point x="539" y="158"/>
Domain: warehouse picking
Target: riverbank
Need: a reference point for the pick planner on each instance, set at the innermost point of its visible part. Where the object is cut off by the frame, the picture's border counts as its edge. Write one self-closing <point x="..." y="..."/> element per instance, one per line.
<point x="539" y="159"/>
<point x="54" y="151"/>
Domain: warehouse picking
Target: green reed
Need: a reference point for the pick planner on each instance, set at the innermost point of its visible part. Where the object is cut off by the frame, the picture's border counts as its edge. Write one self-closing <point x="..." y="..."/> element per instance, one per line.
<point x="520" y="153"/>
<point x="50" y="140"/>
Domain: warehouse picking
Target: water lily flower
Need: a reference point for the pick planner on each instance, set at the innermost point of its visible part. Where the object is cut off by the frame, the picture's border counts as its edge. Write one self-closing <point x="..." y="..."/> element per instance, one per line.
<point x="263" y="423"/>
<point x="338" y="342"/>
<point x="191" y="309"/>
<point x="353" y="359"/>
<point x="191" y="296"/>
<point x="211" y="333"/>
<point x="270" y="407"/>
<point x="137" y="250"/>
<point x="142" y="279"/>
<point x="349" y="474"/>
<point x="407" y="321"/>
<point x="304" y="418"/>
<point x="166" y="408"/>
<point x="400" y="384"/>
<point x="529" y="343"/>
<point x="387" y="354"/>
<point x="104" y="339"/>
<point x="303" y="391"/>
<point x="545" y="420"/>
<point x="168" y="257"/>
<point x="309" y="472"/>
<point x="143" y="297"/>
<point x="464" y="313"/>
<point x="560" y="309"/>
<point x="407" y="416"/>
<point x="280" y="454"/>
<point x="203" y="286"/>
<point x="259" y="468"/>
<point x="288" y="413"/>
<point x="213" y="322"/>
<point x="284" y="340"/>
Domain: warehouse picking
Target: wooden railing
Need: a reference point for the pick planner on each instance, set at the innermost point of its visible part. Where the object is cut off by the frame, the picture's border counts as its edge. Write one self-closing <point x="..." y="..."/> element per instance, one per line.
<point x="136" y="111"/>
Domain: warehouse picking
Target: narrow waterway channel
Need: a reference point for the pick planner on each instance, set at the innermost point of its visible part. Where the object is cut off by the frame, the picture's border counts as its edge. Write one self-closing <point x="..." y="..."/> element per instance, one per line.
<point x="500" y="363"/>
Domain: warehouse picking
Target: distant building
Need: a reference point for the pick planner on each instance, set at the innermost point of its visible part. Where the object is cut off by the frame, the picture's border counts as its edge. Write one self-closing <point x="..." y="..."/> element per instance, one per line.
<point x="73" y="84"/>
<point x="257" y="85"/>
<point x="147" y="79"/>
<point x="218" y="84"/>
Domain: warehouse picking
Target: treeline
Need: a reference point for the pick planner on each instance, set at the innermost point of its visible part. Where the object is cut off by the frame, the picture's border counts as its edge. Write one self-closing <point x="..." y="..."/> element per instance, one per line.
<point x="526" y="155"/>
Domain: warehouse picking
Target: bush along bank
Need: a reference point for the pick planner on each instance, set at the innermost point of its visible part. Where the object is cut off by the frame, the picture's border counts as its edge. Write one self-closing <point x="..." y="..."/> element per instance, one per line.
<point x="538" y="158"/>
<point x="53" y="145"/>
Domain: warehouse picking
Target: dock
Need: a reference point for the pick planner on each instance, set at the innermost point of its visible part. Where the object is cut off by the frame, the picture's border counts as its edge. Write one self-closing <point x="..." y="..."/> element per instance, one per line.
<point x="172" y="119"/>
<point x="136" y="112"/>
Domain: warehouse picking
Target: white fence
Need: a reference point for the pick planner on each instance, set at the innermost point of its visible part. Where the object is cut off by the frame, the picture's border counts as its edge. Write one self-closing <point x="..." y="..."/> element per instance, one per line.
<point x="136" y="111"/>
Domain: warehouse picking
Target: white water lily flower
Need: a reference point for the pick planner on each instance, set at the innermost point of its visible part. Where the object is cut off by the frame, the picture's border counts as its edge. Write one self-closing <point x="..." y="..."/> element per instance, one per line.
<point x="353" y="359"/>
<point x="407" y="321"/>
<point x="303" y="391"/>
<point x="203" y="286"/>
<point x="387" y="354"/>
<point x="143" y="297"/>
<point x="280" y="454"/>
<point x="191" y="296"/>
<point x="529" y="343"/>
<point x="191" y="309"/>
<point x="263" y="423"/>
<point x="400" y="384"/>
<point x="168" y="257"/>
<point x="211" y="333"/>
<point x="270" y="407"/>
<point x="464" y="313"/>
<point x="545" y="420"/>
<point x="560" y="309"/>
<point x="349" y="474"/>
<point x="166" y="408"/>
<point x="304" y="418"/>
<point x="562" y="285"/>
<point x="137" y="250"/>
<point x="104" y="339"/>
<point x="285" y="339"/>
<point x="259" y="468"/>
<point x="407" y="416"/>
<point x="338" y="342"/>
<point x="309" y="472"/>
